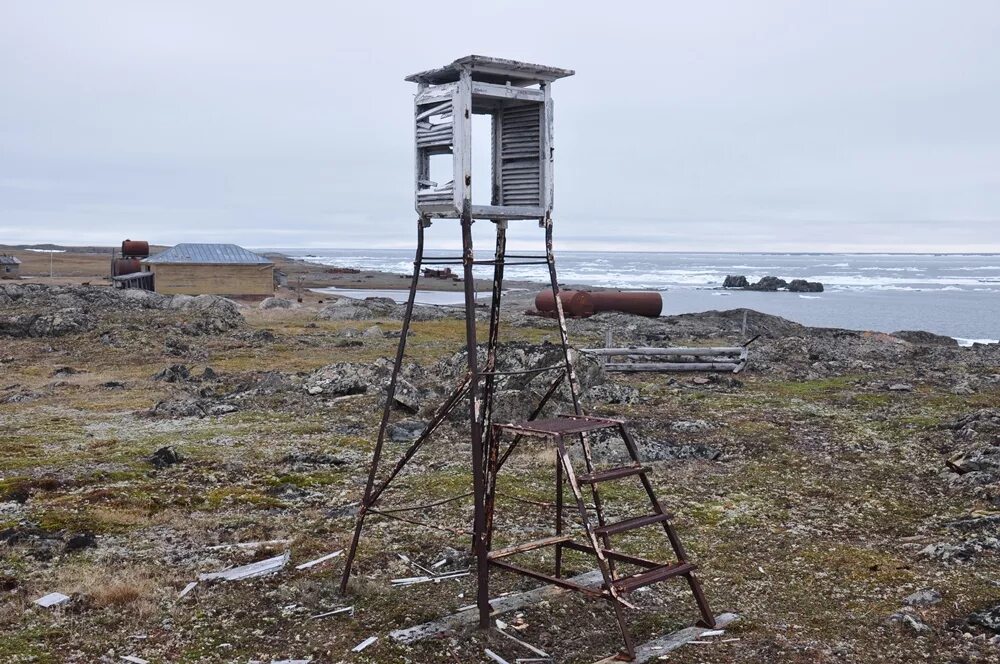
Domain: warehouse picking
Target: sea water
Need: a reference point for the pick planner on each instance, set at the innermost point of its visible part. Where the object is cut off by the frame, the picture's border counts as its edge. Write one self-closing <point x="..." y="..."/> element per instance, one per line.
<point x="957" y="295"/>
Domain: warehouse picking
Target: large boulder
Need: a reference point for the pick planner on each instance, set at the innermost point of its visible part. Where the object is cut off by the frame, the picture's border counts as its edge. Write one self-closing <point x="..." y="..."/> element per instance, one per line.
<point x="736" y="281"/>
<point x="347" y="308"/>
<point x="769" y="284"/>
<point x="276" y="303"/>
<point x="803" y="286"/>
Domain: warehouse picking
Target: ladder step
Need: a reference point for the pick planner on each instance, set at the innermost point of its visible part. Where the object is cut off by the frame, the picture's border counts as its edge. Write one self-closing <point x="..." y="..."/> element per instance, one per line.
<point x="528" y="546"/>
<point x="627" y="584"/>
<point x="631" y="524"/>
<point x="612" y="474"/>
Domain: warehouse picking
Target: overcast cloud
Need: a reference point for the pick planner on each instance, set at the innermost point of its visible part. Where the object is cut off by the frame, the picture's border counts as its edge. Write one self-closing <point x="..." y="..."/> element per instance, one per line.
<point x="776" y="126"/>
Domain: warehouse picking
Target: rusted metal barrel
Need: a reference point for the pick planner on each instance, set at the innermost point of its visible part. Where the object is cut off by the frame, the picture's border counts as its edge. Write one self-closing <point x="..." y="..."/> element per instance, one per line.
<point x="580" y="304"/>
<point x="135" y="248"/>
<point x="125" y="266"/>
<point x="576" y="304"/>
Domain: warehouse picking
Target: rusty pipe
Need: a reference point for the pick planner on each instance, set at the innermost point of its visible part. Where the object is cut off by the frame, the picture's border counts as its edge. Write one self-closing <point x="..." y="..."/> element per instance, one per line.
<point x="581" y="304"/>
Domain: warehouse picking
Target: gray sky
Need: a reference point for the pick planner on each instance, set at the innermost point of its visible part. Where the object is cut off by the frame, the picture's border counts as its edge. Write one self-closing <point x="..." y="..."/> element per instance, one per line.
<point x="777" y="126"/>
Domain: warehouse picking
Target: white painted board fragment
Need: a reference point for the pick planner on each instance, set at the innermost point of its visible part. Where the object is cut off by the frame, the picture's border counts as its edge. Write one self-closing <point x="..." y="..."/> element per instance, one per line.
<point x="52" y="599"/>
<point x="250" y="571"/>
<point x="188" y="588"/>
<point x="364" y="644"/>
<point x="346" y="609"/>
<point x="250" y="545"/>
<point x="321" y="559"/>
<point x="134" y="659"/>
<point x="495" y="657"/>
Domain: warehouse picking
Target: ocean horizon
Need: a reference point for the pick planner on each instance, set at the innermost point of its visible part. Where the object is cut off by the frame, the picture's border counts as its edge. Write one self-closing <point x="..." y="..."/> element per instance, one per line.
<point x="952" y="294"/>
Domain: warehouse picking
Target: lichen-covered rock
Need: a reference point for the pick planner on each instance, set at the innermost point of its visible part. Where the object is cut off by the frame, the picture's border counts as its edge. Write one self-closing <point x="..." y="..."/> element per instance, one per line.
<point x="276" y="303"/>
<point x="988" y="618"/>
<point x="352" y="309"/>
<point x="38" y="310"/>
<point x="376" y="308"/>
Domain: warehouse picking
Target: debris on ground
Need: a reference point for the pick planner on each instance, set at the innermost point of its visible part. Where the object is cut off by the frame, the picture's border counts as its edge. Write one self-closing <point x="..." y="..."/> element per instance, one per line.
<point x="52" y="599"/>
<point x="345" y="609"/>
<point x="364" y="644"/>
<point x="250" y="571"/>
<point x="321" y="559"/>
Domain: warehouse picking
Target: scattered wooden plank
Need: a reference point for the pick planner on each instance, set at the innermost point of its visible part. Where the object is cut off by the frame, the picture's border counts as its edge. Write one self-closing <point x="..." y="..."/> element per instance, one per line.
<point x="250" y="571"/>
<point x="321" y="559"/>
<point x="364" y="644"/>
<point x="134" y="659"/>
<point x="693" y="351"/>
<point x="629" y="367"/>
<point x="538" y="651"/>
<point x="326" y="614"/>
<point x="495" y="657"/>
<point x="188" y="588"/>
<point x="250" y="545"/>
<point x="500" y="606"/>
<point x="664" y="644"/>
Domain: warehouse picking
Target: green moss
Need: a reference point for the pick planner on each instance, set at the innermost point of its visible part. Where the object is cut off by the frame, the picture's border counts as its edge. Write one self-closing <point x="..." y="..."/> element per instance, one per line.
<point x="806" y="389"/>
<point x="234" y="495"/>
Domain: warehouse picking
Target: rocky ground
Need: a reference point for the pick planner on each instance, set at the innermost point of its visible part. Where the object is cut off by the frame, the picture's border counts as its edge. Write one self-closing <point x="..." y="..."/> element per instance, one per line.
<point x="842" y="494"/>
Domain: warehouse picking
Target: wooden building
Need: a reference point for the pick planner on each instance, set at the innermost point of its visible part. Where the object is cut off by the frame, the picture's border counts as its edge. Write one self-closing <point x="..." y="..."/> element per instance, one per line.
<point x="216" y="269"/>
<point x="10" y="267"/>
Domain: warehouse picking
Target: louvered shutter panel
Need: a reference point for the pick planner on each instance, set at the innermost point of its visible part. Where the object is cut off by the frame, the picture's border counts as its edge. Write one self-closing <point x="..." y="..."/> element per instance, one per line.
<point x="520" y="155"/>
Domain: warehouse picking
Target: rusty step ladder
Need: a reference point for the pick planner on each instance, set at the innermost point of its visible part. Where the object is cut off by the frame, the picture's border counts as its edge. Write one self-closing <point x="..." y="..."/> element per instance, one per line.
<point x="598" y="537"/>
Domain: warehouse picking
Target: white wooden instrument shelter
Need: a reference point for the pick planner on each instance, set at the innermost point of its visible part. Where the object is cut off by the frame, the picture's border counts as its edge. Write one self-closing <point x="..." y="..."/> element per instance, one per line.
<point x="517" y="96"/>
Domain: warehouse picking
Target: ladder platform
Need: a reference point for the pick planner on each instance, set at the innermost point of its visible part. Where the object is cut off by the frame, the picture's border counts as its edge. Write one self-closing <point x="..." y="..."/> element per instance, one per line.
<point x="627" y="584"/>
<point x="631" y="524"/>
<point x="611" y="474"/>
<point x="529" y="546"/>
<point x="560" y="426"/>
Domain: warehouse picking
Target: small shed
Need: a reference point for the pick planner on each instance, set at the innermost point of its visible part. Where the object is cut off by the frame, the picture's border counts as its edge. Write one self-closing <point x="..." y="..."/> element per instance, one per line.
<point x="216" y="269"/>
<point x="10" y="267"/>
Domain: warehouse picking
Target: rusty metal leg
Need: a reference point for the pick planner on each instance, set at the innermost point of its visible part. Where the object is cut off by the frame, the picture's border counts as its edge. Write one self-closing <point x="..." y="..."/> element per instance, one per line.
<point x="559" y="514"/>
<point x="478" y="460"/>
<point x="602" y="561"/>
<point x="489" y="502"/>
<point x="707" y="617"/>
<point x="561" y="317"/>
<point x="489" y="380"/>
<point x="366" y="501"/>
<point x="571" y="372"/>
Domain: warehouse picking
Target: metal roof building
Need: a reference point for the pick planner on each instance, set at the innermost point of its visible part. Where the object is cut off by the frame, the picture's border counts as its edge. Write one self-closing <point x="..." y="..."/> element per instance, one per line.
<point x="212" y="254"/>
<point x="10" y="267"/>
<point x="217" y="269"/>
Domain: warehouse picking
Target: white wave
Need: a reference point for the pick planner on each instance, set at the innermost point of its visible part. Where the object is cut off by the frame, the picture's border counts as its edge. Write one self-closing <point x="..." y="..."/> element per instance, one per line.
<point x="810" y="297"/>
<point x="980" y="268"/>
<point x="891" y="269"/>
<point x="968" y="342"/>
